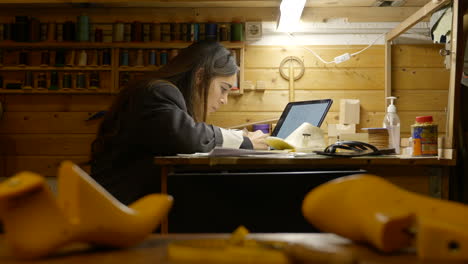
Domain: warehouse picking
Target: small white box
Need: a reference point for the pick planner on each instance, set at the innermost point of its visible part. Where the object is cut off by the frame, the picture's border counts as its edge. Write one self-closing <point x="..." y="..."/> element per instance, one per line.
<point x="253" y="31"/>
<point x="349" y="111"/>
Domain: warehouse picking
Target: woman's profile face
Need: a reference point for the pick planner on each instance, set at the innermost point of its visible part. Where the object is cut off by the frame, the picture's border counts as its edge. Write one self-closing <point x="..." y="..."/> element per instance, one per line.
<point x="219" y="90"/>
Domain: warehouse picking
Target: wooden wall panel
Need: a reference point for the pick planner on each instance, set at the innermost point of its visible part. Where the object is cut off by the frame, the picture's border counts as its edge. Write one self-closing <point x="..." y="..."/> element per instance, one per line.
<point x="45" y="165"/>
<point x="374" y="119"/>
<point x="423" y="56"/>
<point x="420" y="78"/>
<point x="47" y="122"/>
<point x="421" y="100"/>
<point x="321" y="79"/>
<point x="46" y="144"/>
<point x="56" y="103"/>
<point x="268" y="56"/>
<point x="276" y="100"/>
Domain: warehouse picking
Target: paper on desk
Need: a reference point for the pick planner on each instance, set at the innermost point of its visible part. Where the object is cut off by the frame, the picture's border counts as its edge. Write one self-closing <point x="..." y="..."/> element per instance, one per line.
<point x="232" y="152"/>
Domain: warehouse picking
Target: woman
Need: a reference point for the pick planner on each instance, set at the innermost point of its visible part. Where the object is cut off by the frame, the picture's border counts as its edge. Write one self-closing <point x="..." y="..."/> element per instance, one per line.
<point x="164" y="115"/>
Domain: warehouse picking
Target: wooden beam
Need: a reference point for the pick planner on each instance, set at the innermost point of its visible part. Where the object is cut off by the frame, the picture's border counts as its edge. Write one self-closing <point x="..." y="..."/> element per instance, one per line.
<point x="458" y="46"/>
<point x="388" y="71"/>
<point x="426" y="10"/>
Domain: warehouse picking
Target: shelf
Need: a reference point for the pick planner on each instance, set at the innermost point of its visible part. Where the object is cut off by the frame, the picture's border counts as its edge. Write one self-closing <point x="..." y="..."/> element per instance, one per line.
<point x="137" y="69"/>
<point x="61" y="91"/>
<point x="126" y="45"/>
<point x="66" y="68"/>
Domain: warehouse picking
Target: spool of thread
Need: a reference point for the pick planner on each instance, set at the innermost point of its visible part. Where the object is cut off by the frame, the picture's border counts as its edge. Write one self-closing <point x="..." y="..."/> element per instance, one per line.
<point x="137" y="31"/>
<point x="118" y="32"/>
<point x="158" y="57"/>
<point x="152" y="57"/>
<point x="70" y="58"/>
<point x="173" y="53"/>
<point x="156" y="32"/>
<point x="23" y="58"/>
<point x="236" y="31"/>
<point x="92" y="33"/>
<point x="21" y="24"/>
<point x="60" y="58"/>
<point x="93" y="58"/>
<point x="80" y="81"/>
<point x="51" y="31"/>
<point x="7" y="32"/>
<point x="34" y="30"/>
<point x="202" y="31"/>
<point x="68" y="31"/>
<point x="194" y="31"/>
<point x="127" y="32"/>
<point x="185" y="32"/>
<point x="165" y="32"/>
<point x="82" y="58"/>
<point x="94" y="82"/>
<point x="44" y="30"/>
<point x="223" y="33"/>
<point x="265" y="128"/>
<point x="83" y="28"/>
<point x="98" y="35"/>
<point x="146" y="32"/>
<point x="139" y="58"/>
<point x="1" y="32"/>
<point x="42" y="81"/>
<point x="67" y="81"/>
<point x="125" y="78"/>
<point x="175" y="32"/>
<point x="164" y="57"/>
<point x="106" y="57"/>
<point x="28" y="80"/>
<point x="59" y="34"/>
<point x="211" y="30"/>
<point x="53" y="80"/>
<point x="45" y="58"/>
<point x="124" y="58"/>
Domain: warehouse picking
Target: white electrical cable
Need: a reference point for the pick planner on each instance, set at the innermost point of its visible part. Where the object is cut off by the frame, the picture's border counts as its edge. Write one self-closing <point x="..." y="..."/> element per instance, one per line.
<point x="329" y="62"/>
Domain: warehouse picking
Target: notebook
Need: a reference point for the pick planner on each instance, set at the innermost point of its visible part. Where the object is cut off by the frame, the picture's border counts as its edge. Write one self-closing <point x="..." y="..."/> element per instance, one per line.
<point x="296" y="113"/>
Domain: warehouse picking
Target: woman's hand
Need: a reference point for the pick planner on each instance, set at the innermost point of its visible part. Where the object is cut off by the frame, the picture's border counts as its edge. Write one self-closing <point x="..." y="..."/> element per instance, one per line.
<point x="258" y="139"/>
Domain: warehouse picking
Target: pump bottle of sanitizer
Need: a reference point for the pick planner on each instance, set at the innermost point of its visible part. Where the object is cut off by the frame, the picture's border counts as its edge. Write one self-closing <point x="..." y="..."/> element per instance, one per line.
<point x="392" y="123"/>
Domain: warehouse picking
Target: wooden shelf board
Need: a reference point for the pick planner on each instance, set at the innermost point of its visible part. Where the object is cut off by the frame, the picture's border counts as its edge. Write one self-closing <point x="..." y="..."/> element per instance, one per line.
<point x="137" y="69"/>
<point x="44" y="91"/>
<point x="126" y="45"/>
<point x="67" y="68"/>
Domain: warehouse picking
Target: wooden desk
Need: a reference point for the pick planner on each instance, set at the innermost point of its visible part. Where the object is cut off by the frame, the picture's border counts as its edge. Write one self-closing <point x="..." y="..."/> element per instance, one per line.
<point x="154" y="250"/>
<point x="429" y="176"/>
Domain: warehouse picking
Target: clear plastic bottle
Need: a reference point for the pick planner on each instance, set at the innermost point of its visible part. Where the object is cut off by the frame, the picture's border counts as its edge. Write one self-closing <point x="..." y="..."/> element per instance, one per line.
<point x="392" y="123"/>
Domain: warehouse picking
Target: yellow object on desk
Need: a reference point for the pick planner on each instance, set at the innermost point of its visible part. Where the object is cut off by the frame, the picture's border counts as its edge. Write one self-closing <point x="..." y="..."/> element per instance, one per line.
<point x="236" y="249"/>
<point x="37" y="224"/>
<point x="367" y="208"/>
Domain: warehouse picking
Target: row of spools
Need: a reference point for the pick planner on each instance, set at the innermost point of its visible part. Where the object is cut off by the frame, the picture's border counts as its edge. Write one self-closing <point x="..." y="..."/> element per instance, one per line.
<point x="30" y="29"/>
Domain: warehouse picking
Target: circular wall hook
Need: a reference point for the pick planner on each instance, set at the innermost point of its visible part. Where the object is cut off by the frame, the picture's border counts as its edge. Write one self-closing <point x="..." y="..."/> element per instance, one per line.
<point x="292" y="59"/>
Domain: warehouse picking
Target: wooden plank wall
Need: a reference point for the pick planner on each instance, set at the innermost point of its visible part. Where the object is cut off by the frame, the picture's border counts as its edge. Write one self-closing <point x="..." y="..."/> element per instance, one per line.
<point x="38" y="131"/>
<point x="420" y="81"/>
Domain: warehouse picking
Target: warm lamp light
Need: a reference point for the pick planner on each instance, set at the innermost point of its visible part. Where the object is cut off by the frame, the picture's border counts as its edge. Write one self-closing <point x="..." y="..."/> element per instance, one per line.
<point x="290" y="15"/>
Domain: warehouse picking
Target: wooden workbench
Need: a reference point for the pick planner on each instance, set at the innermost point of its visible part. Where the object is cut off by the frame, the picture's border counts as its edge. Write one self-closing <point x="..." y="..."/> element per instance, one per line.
<point x="154" y="250"/>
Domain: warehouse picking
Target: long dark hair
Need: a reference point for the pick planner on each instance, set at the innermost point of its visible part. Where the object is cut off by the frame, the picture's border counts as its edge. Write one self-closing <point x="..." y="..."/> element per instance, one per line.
<point x="204" y="60"/>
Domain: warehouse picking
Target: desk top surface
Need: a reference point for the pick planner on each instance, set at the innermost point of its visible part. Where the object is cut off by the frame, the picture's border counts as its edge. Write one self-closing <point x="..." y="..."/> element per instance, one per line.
<point x="154" y="250"/>
<point x="312" y="160"/>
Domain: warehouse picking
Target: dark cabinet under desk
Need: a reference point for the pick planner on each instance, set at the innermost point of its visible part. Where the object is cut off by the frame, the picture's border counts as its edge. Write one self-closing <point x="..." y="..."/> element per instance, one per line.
<point x="263" y="201"/>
